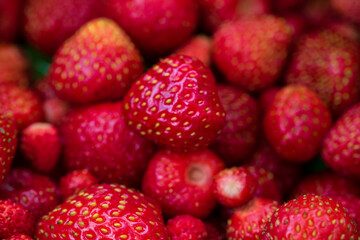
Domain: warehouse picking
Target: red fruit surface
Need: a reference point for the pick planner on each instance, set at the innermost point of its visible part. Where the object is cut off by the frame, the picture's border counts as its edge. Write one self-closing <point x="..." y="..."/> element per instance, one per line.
<point x="199" y="47"/>
<point x="351" y="204"/>
<point x="48" y="23"/>
<point x="155" y="26"/>
<point x="238" y="138"/>
<point x="328" y="64"/>
<point x="348" y="8"/>
<point x="182" y="183"/>
<point x="296" y="123"/>
<point x="186" y="227"/>
<point x="10" y="13"/>
<point x="19" y="237"/>
<point x="248" y="221"/>
<point x="99" y="62"/>
<point x="73" y="182"/>
<point x="104" y="212"/>
<point x="248" y="52"/>
<point x="175" y="104"/>
<point x="97" y="138"/>
<point x="8" y="144"/>
<point x="313" y="216"/>
<point x="55" y="110"/>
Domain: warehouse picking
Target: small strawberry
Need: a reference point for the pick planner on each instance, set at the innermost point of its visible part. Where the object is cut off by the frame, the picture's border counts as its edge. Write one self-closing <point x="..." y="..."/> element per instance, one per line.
<point x="248" y="221"/>
<point x="348" y="8"/>
<point x="55" y="110"/>
<point x="19" y="237"/>
<point x="175" y="104"/>
<point x="75" y="181"/>
<point x="97" y="138"/>
<point x="296" y="123"/>
<point x="99" y="62"/>
<point x="199" y="47"/>
<point x="10" y="13"/>
<point x="104" y="212"/>
<point x="8" y="144"/>
<point x="311" y="217"/>
<point x="182" y="183"/>
<point x="249" y="53"/>
<point x="186" y="227"/>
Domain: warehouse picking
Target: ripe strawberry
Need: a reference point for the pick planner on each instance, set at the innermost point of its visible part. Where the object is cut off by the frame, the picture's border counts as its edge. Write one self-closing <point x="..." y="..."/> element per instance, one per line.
<point x="75" y="181"/>
<point x="8" y="144"/>
<point x="248" y="52"/>
<point x="104" y="212"/>
<point x="40" y="144"/>
<point x="19" y="237"/>
<point x="97" y="138"/>
<point x="328" y="64"/>
<point x="14" y="219"/>
<point x="311" y="217"/>
<point x="199" y="47"/>
<point x="296" y="123"/>
<point x="99" y="62"/>
<point x="48" y="23"/>
<point x="55" y="110"/>
<point x="10" y="12"/>
<point x="234" y="186"/>
<point x="20" y="104"/>
<point x="248" y="221"/>
<point x="182" y="183"/>
<point x="155" y="26"/>
<point x="175" y="104"/>
<point x="348" y="8"/>
<point x="238" y="138"/>
<point x="186" y="227"/>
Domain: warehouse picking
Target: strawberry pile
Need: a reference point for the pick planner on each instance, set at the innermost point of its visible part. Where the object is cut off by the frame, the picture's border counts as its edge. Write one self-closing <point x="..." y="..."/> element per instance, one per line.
<point x="180" y="119"/>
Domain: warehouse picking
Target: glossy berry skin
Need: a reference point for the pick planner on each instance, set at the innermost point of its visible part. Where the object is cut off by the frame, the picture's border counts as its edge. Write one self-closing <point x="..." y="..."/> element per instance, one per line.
<point x="75" y="181"/>
<point x="19" y="237"/>
<point x="182" y="182"/>
<point x="351" y="204"/>
<point x="8" y="144"/>
<point x="199" y="47"/>
<point x="48" y="23"/>
<point x="296" y="123"/>
<point x="175" y="104"/>
<point x="238" y="138"/>
<point x="99" y="62"/>
<point x="248" y="221"/>
<point x="97" y="138"/>
<point x="316" y="217"/>
<point x="155" y="26"/>
<point x="348" y="8"/>
<point x="186" y="227"/>
<point x="249" y="54"/>
<point x="104" y="212"/>
<point x="328" y="64"/>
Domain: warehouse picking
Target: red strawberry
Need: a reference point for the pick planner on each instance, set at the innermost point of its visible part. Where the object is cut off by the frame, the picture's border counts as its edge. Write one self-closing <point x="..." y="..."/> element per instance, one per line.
<point x="296" y="123"/>
<point x="175" y="104"/>
<point x="238" y="138"/>
<point x="14" y="219"/>
<point x="328" y="64"/>
<point x="75" y="181"/>
<point x="235" y="186"/>
<point x="98" y="63"/>
<point x="10" y="13"/>
<point x="20" y="104"/>
<point x="104" y="212"/>
<point x="351" y="204"/>
<point x="97" y="138"/>
<point x="186" y="227"/>
<point x="182" y="183"/>
<point x="19" y="237"/>
<point x="348" y="8"/>
<point x="155" y="26"/>
<point x="55" y="110"/>
<point x="267" y="97"/>
<point x="248" y="221"/>
<point x="249" y="53"/>
<point x="199" y="47"/>
<point x="40" y="144"/>
<point x="8" y="144"/>
<point x="311" y="217"/>
<point x="48" y="23"/>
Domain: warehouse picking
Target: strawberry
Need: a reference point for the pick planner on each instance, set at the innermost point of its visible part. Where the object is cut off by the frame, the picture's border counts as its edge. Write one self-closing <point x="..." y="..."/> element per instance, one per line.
<point x="48" y="23"/>
<point x="199" y="47"/>
<point x="55" y="110"/>
<point x="267" y="97"/>
<point x="99" y="62"/>
<point x="344" y="28"/>
<point x="182" y="182"/>
<point x="104" y="212"/>
<point x="8" y="144"/>
<point x="328" y="64"/>
<point x="19" y="237"/>
<point x="351" y="204"/>
<point x="14" y="219"/>
<point x="20" y="104"/>
<point x="249" y="53"/>
<point x="175" y="104"/>
<point x="10" y="13"/>
<point x="97" y="138"/>
<point x="155" y="26"/>
<point x="75" y="181"/>
<point x="296" y="123"/>
<point x="40" y="144"/>
<point x="234" y="186"/>
<point x="248" y="221"/>
<point x="238" y="138"/>
<point x="186" y="227"/>
<point x="311" y="217"/>
<point x="348" y="8"/>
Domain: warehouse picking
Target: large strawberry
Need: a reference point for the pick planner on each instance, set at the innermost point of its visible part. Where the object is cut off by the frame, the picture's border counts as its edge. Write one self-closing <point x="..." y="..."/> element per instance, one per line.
<point x="296" y="123"/>
<point x="104" y="212"/>
<point x="10" y="13"/>
<point x="8" y="144"/>
<point x="175" y="104"/>
<point x="186" y="227"/>
<point x="73" y="182"/>
<point x="98" y="63"/>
